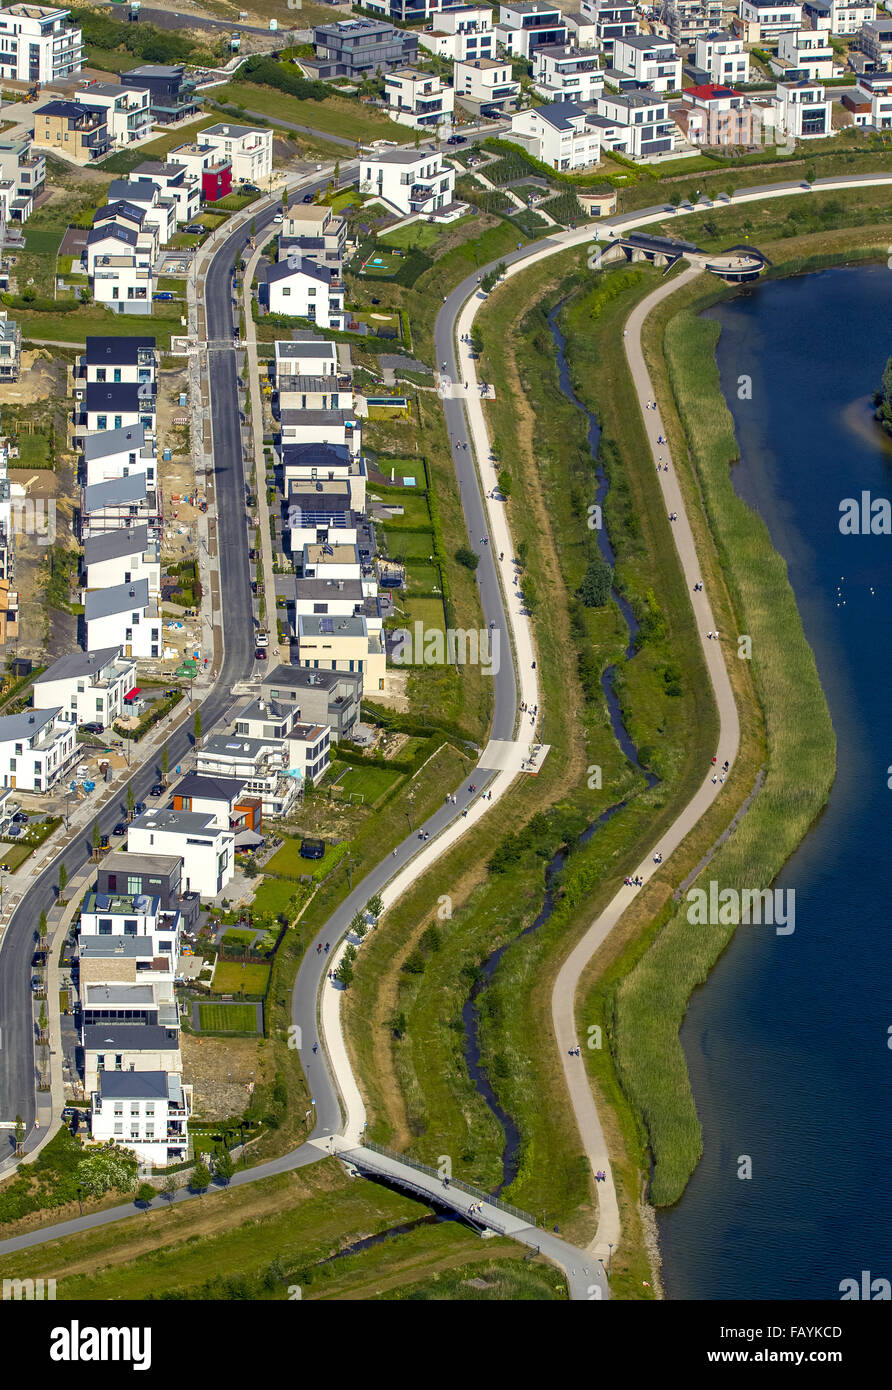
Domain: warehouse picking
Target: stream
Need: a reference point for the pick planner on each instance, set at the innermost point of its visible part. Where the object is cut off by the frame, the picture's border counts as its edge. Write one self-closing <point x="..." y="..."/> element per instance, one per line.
<point x="470" y="1019"/>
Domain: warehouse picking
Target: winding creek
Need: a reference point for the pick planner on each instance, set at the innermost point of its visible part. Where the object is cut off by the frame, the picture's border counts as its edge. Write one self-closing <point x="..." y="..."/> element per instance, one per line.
<point x="485" y="973"/>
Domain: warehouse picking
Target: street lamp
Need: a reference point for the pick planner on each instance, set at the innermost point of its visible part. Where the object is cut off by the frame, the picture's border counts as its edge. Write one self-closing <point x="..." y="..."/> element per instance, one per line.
<point x="409" y="811"/>
<point x="609" y="1255"/>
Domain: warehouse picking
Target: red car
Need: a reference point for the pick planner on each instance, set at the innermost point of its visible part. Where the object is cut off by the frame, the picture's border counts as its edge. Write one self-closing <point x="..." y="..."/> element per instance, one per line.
<point x="260" y="654"/>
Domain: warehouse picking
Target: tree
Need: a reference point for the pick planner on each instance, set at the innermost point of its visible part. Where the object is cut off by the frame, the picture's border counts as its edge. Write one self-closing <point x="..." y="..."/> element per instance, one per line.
<point x="131" y="803"/>
<point x="170" y="1186"/>
<point x="467" y="557"/>
<point x="63" y="880"/>
<point x="145" y="1195"/>
<point x="165" y="764"/>
<point x="104" y="1171"/>
<point x="19" y="1135"/>
<point x="200" y="1177"/>
<point x="42" y="1022"/>
<point x="358" y="925"/>
<point x="476" y="341"/>
<point x="883" y="399"/>
<point x="96" y="838"/>
<point x="284" y="200"/>
<point x="42" y="930"/>
<point x="596" y="583"/>
<point x="674" y="198"/>
<point x="375" y="905"/>
<point x="224" y="1166"/>
<point x="344" y="972"/>
<point x="196" y="725"/>
<point x="503" y="482"/>
<point x="337" y="173"/>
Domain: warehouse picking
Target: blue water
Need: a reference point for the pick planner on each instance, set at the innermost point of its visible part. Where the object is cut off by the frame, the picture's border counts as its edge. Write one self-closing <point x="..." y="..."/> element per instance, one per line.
<point x="787" y="1042"/>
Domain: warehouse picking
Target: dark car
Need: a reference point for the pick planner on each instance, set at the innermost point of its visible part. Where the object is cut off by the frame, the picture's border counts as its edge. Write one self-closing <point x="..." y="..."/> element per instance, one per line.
<point x="103" y="842"/>
<point x="92" y="728"/>
<point x="195" y="228"/>
<point x="249" y="188"/>
<point x="260" y="654"/>
<point x="14" y="831"/>
<point x="157" y="789"/>
<point x="120" y="828"/>
<point x="20" y="818"/>
<point x="309" y="197"/>
<point x="456" y="140"/>
<point x="162" y="294"/>
<point x="252" y="554"/>
<point x="38" y="960"/>
<point x="139" y="808"/>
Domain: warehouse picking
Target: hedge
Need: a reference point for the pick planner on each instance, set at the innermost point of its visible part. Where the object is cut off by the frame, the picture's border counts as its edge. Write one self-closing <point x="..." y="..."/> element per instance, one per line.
<point x="159" y="709"/>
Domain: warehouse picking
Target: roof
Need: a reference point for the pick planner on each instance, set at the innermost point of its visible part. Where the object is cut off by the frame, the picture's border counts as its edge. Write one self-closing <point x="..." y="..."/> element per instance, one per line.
<point x="313" y="589"/>
<point x="120" y="352"/>
<point x="558" y="113"/>
<point x="26" y="724"/>
<point x="197" y="784"/>
<point x="120" y="598"/>
<point x="113" y="545"/>
<point x="115" y="493"/>
<point x="643" y="41"/>
<point x="91" y="946"/>
<point x="99" y="994"/>
<point x="711" y="91"/>
<point x="139" y="191"/>
<point x="104" y="443"/>
<point x="316" y="453"/>
<point x="177" y="822"/>
<point x="72" y="110"/>
<point x="302" y="677"/>
<point x="130" y="1037"/>
<point x="154" y="70"/>
<point x="234" y="132"/>
<point x="632" y="99"/>
<point x="283" y="269"/>
<point x="124" y="861"/>
<point x="397" y="156"/>
<point x="108" y="89"/>
<point x="306" y="347"/>
<point x="315" y="625"/>
<point x="112" y="231"/>
<point x="77" y="664"/>
<point x="316" y="417"/>
<point x="115" y="395"/>
<point x="119" y="207"/>
<point x="133" y="1085"/>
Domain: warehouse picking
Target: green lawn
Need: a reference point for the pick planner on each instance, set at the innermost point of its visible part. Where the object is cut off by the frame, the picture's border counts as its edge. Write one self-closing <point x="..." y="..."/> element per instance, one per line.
<point x="335" y="116"/>
<point x="272" y="897"/>
<point x="408" y="545"/>
<point x="227" y="1018"/>
<point x="74" y="327"/>
<point x="288" y="862"/>
<point x="428" y="611"/>
<point x="34" y="450"/>
<point x="231" y="977"/>
<point x="15" y="854"/>
<point x="402" y="468"/>
<point x="422" y="235"/>
<point x="422" y="578"/>
<point x="415" y="510"/>
<point x="368" y="782"/>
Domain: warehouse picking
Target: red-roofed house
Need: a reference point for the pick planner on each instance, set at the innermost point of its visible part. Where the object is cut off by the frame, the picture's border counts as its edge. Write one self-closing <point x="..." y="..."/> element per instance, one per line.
<point x="714" y="115"/>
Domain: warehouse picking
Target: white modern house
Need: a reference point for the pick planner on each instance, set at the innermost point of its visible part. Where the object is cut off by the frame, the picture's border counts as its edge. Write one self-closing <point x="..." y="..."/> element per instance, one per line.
<point x="250" y="151"/>
<point x="408" y="180"/>
<point x="126" y="617"/>
<point x="86" y="687"/>
<point x="128" y="113"/>
<point x="129" y="914"/>
<point x="323" y="518"/>
<point x="654" y="63"/>
<point x="207" y="851"/>
<point x="462" y="32"/>
<point x="172" y="181"/>
<point x="723" y="56"/>
<point x="688" y="20"/>
<point x="637" y="124"/>
<point x="307" y="356"/>
<point x="120" y="257"/>
<point x="842" y="17"/>
<point x="871" y="103"/>
<point x="121" y="556"/>
<point x="342" y="644"/>
<point x="561" y="73"/>
<point x="802" y="111"/>
<point x="612" y="21"/>
<point x="300" y="287"/>
<point x="761" y="21"/>
<point x="144" y="1111"/>
<point x="38" y="45"/>
<point x="36" y="749"/>
<point x="805" y="51"/>
<point x="485" y="86"/>
<point x="304" y="464"/>
<point x="524" y="24"/>
<point x="418" y="99"/>
<point x="119" y="405"/>
<point x="158" y="213"/>
<point x="558" y="134"/>
<point x="875" y="39"/>
<point x="23" y="169"/>
<point x="117" y="453"/>
<point x="126" y="1048"/>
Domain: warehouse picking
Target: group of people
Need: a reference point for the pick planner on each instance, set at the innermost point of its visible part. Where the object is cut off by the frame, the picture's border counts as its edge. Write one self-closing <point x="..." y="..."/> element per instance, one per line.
<point x="713" y="634"/>
<point x="725" y="767"/>
<point x="673" y="516"/>
<point x="636" y="882"/>
<point x="574" y="1051"/>
<point x="600" y="1176"/>
<point x="658" y="857"/>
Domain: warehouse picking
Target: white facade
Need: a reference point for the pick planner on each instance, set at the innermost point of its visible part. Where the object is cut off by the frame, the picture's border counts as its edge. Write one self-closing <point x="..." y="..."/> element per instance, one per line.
<point x="654" y="62"/>
<point x="763" y="20"/>
<point x="418" y="99"/>
<point x="876" y="88"/>
<point x="207" y="852"/>
<point x="126" y="452"/>
<point x="249" y="151"/>
<point x="120" y="260"/>
<point x="637" y="124"/>
<point x="461" y="33"/>
<point x="86" y="688"/>
<point x="802" y="111"/>
<point x="565" y="74"/>
<point x="524" y="24"/>
<point x="126" y="617"/>
<point x="38" y="45"/>
<point x="301" y="288"/>
<point x="807" y="51"/>
<point x="128" y="116"/>
<point x="558" y="135"/>
<point x="120" y="557"/>
<point x="409" y="180"/>
<point x="847" y="16"/>
<point x="722" y="55"/>
<point x="144" y="1111"/>
<point x="485" y="83"/>
<point x="120" y="916"/>
<point x="36" y="748"/>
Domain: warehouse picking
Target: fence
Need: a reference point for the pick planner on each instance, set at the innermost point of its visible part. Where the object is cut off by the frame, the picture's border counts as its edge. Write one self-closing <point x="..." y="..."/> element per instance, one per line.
<point x="472" y="1191"/>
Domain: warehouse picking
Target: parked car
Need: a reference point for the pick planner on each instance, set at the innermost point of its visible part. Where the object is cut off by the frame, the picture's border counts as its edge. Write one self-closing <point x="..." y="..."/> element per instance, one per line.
<point x="14" y="831"/>
<point x="278" y="218"/>
<point x="157" y="789"/>
<point x="252" y="554"/>
<point x="259" y="654"/>
<point x="162" y="294"/>
<point x="120" y="828"/>
<point x="195" y="228"/>
<point x="139" y="808"/>
<point x="457" y="140"/>
<point x="92" y="728"/>
<point x="263" y="639"/>
<point x="248" y="188"/>
<point x="309" y="197"/>
<point x="20" y="818"/>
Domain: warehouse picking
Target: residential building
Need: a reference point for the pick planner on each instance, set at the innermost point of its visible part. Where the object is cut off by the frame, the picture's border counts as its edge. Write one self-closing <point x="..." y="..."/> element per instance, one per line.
<point x="313" y="224"/>
<point x="612" y="21"/>
<point x="86" y="687"/>
<point x="298" y="393"/>
<point x="353" y="47"/>
<point x="321" y="427"/>
<point x="805" y="52"/>
<point x="635" y="123"/>
<point x="125" y="616"/>
<point x="113" y="454"/>
<point x="871" y="102"/>
<point x="335" y="562"/>
<point x="126" y="1048"/>
<point x="72" y="129"/>
<point x="524" y="24"/>
<point x="689" y="20"/>
<point x="120" y="256"/>
<point x="842" y="17"/>
<point x="154" y="875"/>
<point x="270" y="752"/>
<point x="144" y="1111"/>
<point x="223" y="798"/>
<point x="410" y="181"/>
<point x="802" y="110"/>
<point x="36" y="748"/>
<point x="406" y="10"/>
<point x="24" y="168"/>
<point x="37" y="45"/>
<point x="111" y="405"/>
<point x="875" y="40"/>
<point x="172" y="181"/>
<point x="714" y="115"/>
<point x="10" y="351"/>
<point x="249" y="150"/>
<point x="113" y="359"/>
<point x="558" y="134"/>
<point x="306" y="355"/>
<point x="306" y="746"/>
<point x="127" y="912"/>
<point x="337" y="598"/>
<point x="485" y="85"/>
<point x="207" y="851"/>
<point x="120" y="503"/>
<point x="653" y="63"/>
<point x="202" y="162"/>
<point x="761" y="21"/>
<point x="144" y="202"/>
<point x="581" y="29"/>
<point x="461" y="33"/>
<point x="418" y="99"/>
<point x="322" y="518"/>
<point x="301" y="288"/>
<point x="341" y="644"/>
<point x="171" y="92"/>
<point x="304" y="463"/>
<point x="331" y="698"/>
<point x="722" y="55"/>
<point x="567" y="74"/>
<point x="127" y="112"/>
<point x="121" y="556"/>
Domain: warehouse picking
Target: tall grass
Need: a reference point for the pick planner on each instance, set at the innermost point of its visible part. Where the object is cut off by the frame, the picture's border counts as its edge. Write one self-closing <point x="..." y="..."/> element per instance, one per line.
<point x="652" y="1000"/>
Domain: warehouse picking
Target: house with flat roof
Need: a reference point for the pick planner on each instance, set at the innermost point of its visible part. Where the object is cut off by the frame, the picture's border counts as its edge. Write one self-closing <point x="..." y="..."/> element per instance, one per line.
<point x="125" y="616"/>
<point x="803" y="111"/>
<point x="86" y="687"/>
<point x="803" y="53"/>
<point x="171" y="91"/>
<point x="110" y="358"/>
<point x="270" y="751"/>
<point x="611" y="21"/>
<point x="418" y="99"/>
<point x="485" y="86"/>
<point x="637" y="124"/>
<point x="23" y="167"/>
<point x="686" y="21"/>
<point x="342" y="644"/>
<point x="356" y="47"/>
<point x="761" y="21"/>
<point x="319" y="697"/>
<point x="722" y="55"/>
<point x="207" y="851"/>
<point x="654" y="63"/>
<point x="38" y="45"/>
<point x="37" y="747"/>
<point x="247" y="149"/>
<point x="409" y="181"/>
<point x="310" y="462"/>
<point x="148" y="875"/>
<point x="562" y="73"/>
<point x="110" y="405"/>
<point x="842" y="17"/>
<point x="127" y="110"/>
<point x="204" y="163"/>
<point x="524" y="24"/>
<point x="460" y="33"/>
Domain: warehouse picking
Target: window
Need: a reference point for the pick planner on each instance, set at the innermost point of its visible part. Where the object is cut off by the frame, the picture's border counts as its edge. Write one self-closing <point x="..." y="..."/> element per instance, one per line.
<point x="102" y="422"/>
<point x="105" y="926"/>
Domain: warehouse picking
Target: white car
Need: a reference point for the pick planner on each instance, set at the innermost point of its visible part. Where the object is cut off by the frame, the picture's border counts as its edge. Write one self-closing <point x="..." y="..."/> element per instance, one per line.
<point x="262" y="639"/>
<point x="278" y="217"/>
